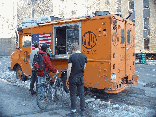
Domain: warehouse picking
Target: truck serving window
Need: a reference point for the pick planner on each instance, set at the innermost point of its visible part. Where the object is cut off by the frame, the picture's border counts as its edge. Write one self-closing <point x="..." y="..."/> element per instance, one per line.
<point x="26" y="41"/>
<point x="64" y="36"/>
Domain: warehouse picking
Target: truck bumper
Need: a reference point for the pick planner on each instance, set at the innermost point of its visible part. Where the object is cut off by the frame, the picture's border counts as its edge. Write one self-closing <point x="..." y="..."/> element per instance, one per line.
<point x="116" y="88"/>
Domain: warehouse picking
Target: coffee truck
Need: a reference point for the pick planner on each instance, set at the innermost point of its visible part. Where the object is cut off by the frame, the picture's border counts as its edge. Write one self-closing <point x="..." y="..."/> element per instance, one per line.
<point x="107" y="40"/>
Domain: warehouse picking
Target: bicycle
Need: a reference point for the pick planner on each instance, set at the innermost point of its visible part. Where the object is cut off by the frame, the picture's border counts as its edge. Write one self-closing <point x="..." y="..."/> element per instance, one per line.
<point x="48" y="91"/>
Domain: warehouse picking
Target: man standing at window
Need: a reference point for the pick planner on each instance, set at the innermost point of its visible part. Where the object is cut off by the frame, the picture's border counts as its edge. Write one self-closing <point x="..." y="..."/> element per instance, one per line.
<point x="76" y="65"/>
<point x="33" y="76"/>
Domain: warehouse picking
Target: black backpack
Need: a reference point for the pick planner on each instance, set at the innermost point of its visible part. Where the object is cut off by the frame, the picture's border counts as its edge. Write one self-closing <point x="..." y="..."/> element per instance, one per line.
<point x="38" y="62"/>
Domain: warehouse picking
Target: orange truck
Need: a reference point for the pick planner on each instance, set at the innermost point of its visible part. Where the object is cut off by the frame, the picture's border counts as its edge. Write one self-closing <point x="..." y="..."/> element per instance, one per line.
<point x="108" y="41"/>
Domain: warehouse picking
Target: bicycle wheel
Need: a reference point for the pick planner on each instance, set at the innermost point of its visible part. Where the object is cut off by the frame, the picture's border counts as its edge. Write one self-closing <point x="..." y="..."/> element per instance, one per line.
<point x="43" y="95"/>
<point x="57" y="92"/>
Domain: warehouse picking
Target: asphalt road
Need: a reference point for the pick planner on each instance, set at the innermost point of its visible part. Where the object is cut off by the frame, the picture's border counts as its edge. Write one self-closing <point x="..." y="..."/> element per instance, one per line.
<point x="17" y="101"/>
<point x="136" y="101"/>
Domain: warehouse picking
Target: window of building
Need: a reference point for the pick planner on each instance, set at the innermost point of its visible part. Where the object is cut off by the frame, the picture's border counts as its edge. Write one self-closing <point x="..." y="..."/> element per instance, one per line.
<point x="146" y="23"/>
<point x="146" y="3"/>
<point x="131" y="4"/>
<point x="146" y="44"/>
<point x="146" y="13"/>
<point x="146" y="33"/>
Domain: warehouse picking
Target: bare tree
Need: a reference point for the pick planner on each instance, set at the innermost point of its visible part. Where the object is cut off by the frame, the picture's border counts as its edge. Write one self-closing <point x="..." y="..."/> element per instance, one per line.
<point x="33" y="9"/>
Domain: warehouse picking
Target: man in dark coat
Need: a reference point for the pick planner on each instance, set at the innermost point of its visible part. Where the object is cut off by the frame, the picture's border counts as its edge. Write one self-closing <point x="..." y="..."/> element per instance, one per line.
<point x="76" y="65"/>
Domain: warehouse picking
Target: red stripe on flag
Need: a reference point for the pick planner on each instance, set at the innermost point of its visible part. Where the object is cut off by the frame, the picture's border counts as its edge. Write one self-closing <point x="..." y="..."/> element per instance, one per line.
<point x="45" y="40"/>
<point x="45" y="36"/>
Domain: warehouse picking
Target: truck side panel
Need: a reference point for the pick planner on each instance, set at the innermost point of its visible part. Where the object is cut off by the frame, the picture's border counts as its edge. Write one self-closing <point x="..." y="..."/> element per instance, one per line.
<point x="96" y="46"/>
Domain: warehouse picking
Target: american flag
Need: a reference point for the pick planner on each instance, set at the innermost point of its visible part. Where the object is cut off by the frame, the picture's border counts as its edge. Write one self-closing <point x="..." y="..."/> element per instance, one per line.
<point x="41" y="38"/>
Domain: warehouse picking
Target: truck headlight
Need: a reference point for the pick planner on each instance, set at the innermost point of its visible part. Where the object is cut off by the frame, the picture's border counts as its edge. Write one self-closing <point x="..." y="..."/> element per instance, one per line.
<point x="113" y="76"/>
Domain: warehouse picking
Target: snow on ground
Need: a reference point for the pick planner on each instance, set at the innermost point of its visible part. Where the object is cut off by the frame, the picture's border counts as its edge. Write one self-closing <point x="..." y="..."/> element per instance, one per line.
<point x="102" y="108"/>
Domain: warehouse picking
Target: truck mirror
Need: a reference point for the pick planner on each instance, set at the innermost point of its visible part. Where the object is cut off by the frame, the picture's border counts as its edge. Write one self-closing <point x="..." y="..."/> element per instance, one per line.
<point x="16" y="36"/>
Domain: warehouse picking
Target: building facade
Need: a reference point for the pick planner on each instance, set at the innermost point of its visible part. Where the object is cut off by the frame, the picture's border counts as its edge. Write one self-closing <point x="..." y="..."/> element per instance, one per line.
<point x="145" y="15"/>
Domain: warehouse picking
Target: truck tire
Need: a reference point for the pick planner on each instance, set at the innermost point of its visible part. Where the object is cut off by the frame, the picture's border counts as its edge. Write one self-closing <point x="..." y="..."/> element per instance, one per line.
<point x="19" y="73"/>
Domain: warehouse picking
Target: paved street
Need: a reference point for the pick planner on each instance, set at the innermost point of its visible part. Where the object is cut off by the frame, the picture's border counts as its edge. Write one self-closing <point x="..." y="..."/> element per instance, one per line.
<point x="136" y="101"/>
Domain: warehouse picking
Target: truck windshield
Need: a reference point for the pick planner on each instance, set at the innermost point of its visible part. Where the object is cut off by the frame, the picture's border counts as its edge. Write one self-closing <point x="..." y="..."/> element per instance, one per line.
<point x="26" y="41"/>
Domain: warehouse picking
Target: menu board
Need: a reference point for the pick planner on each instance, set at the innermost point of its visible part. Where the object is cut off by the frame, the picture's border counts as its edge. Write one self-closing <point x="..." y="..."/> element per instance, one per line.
<point x="72" y="34"/>
<point x="72" y="37"/>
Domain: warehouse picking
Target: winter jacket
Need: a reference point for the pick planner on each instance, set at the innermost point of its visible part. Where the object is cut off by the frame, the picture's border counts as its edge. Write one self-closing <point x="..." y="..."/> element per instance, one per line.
<point x="48" y="64"/>
<point x="33" y="52"/>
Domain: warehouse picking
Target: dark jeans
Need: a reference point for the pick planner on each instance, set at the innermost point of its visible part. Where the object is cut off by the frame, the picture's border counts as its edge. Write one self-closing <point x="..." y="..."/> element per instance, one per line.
<point x="139" y="60"/>
<point x="33" y="79"/>
<point x="74" y="87"/>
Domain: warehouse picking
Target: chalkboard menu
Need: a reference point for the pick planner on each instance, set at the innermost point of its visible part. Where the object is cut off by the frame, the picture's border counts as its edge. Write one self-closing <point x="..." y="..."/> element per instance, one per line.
<point x="72" y="37"/>
<point x="73" y="34"/>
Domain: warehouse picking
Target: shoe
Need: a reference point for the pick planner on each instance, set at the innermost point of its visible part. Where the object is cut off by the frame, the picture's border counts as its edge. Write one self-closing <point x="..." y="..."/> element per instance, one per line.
<point x="73" y="110"/>
<point x="33" y="92"/>
<point x="44" y="101"/>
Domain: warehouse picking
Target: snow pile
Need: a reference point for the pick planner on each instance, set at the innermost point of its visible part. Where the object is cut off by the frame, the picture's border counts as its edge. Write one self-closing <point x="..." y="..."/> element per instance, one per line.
<point x="119" y="110"/>
<point x="10" y="76"/>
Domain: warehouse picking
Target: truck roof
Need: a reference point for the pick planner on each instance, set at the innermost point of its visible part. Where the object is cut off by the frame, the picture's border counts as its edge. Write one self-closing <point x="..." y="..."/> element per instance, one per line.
<point x="78" y="19"/>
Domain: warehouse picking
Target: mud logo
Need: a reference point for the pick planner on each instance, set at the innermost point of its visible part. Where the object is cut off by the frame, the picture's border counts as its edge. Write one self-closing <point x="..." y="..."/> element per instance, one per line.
<point x="114" y="39"/>
<point x="89" y="40"/>
<point x="25" y="57"/>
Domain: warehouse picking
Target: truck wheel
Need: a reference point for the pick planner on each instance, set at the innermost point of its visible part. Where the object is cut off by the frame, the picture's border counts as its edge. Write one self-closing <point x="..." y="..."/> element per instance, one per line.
<point x="19" y="72"/>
